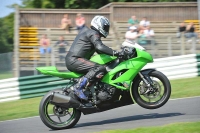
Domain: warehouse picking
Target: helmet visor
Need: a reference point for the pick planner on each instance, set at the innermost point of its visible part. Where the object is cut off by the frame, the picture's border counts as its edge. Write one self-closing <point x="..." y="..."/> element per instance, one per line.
<point x="106" y="28"/>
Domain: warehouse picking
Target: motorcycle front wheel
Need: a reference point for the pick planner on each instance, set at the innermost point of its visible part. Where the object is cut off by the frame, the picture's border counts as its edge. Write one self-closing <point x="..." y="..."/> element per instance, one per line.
<point x="159" y="94"/>
<point x="56" y="117"/>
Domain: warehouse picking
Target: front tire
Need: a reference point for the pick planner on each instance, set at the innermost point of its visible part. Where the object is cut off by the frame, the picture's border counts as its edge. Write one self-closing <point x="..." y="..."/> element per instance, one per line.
<point x="53" y="116"/>
<point x="154" y="99"/>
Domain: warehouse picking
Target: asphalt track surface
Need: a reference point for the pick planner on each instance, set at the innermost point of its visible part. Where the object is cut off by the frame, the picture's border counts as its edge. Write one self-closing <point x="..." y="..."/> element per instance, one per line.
<point x="127" y="117"/>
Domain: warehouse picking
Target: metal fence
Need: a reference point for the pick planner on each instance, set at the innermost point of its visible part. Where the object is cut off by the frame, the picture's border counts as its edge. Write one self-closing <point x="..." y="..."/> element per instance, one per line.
<point x="185" y="45"/>
<point x="172" y="46"/>
<point x="160" y="47"/>
<point x="167" y="46"/>
<point x="6" y="65"/>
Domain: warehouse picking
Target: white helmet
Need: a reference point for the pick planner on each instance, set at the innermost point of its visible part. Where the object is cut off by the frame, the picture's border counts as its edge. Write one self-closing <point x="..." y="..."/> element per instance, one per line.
<point x="101" y="24"/>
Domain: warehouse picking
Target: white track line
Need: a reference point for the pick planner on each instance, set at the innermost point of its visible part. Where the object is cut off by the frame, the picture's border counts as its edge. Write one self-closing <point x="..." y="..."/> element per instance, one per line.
<point x="19" y="119"/>
<point x="185" y="98"/>
<point x="134" y="104"/>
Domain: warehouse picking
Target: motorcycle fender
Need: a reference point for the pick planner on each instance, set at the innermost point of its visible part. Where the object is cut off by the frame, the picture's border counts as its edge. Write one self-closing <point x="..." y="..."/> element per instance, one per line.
<point x="147" y="71"/>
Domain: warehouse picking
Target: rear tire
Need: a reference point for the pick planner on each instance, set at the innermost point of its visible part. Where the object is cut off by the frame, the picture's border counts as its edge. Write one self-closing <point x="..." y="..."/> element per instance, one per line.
<point x="57" y="123"/>
<point x="140" y="99"/>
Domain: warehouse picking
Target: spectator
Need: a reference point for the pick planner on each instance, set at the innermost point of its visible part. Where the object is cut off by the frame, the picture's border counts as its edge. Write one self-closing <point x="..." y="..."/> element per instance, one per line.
<point x="142" y="38"/>
<point x="133" y="21"/>
<point x="66" y="23"/>
<point x="190" y="31"/>
<point x="181" y="29"/>
<point x="80" y="21"/>
<point x="144" y="23"/>
<point x="62" y="47"/>
<point x="45" y="45"/>
<point x="131" y="36"/>
<point x="149" y="33"/>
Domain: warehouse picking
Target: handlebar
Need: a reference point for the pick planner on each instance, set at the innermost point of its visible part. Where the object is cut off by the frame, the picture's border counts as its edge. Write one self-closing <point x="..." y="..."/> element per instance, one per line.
<point x="127" y="52"/>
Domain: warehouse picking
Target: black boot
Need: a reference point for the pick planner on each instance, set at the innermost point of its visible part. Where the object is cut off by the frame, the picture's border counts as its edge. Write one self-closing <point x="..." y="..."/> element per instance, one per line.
<point x="78" y="88"/>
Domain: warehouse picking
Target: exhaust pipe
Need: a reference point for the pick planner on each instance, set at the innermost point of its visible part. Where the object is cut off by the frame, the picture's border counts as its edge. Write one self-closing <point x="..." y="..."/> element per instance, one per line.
<point x="64" y="101"/>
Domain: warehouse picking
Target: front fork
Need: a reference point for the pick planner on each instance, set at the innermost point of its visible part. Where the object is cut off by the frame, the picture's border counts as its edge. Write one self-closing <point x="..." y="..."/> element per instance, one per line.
<point x="148" y="82"/>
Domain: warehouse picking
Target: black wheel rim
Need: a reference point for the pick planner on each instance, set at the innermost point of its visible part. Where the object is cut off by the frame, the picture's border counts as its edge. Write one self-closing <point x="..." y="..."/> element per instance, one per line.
<point x="62" y="118"/>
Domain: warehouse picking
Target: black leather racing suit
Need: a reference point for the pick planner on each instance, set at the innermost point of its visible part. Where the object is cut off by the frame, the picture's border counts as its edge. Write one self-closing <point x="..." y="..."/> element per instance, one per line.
<point x="86" y="43"/>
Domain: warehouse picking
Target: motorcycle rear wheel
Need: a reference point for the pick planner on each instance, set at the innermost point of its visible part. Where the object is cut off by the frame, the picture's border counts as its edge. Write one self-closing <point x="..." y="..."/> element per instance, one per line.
<point x="152" y="100"/>
<point x="53" y="116"/>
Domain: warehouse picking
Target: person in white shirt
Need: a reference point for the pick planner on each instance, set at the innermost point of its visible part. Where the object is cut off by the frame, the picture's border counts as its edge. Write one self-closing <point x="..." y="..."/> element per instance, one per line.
<point x="144" y="23"/>
<point x="131" y="36"/>
<point x="149" y="34"/>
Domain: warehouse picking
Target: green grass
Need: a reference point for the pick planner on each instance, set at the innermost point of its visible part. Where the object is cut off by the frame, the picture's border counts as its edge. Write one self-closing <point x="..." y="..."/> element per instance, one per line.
<point x="5" y="75"/>
<point x="185" y="87"/>
<point x="19" y="109"/>
<point x="29" y="107"/>
<point x="192" y="127"/>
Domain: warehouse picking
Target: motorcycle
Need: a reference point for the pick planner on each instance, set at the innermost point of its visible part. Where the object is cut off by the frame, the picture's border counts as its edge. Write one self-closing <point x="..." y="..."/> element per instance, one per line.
<point x="125" y="83"/>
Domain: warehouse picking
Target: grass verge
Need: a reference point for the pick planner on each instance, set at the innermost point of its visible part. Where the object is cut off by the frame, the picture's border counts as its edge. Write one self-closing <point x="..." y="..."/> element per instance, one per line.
<point x="192" y="127"/>
<point x="29" y="107"/>
<point x="19" y="109"/>
<point x="185" y="87"/>
<point x="5" y="75"/>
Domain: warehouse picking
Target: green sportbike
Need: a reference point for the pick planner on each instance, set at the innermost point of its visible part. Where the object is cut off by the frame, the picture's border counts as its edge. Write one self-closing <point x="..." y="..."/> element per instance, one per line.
<point x="125" y="83"/>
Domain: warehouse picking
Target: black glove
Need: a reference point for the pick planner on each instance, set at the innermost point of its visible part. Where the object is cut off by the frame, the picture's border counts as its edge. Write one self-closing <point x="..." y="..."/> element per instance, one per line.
<point x="118" y="54"/>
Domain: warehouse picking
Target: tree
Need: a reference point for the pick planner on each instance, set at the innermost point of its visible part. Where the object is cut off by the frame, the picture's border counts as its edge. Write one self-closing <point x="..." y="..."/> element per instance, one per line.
<point x="6" y="33"/>
<point x="39" y="3"/>
<point x="63" y="4"/>
<point x="82" y="4"/>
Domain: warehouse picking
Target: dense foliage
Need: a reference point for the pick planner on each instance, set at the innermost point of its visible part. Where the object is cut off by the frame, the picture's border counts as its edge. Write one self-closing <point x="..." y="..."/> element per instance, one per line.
<point x="83" y="4"/>
<point x="6" y="33"/>
<point x="7" y="23"/>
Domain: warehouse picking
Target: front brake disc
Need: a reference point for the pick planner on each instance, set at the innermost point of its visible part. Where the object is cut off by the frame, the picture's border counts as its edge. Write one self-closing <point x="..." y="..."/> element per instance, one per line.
<point x="155" y="93"/>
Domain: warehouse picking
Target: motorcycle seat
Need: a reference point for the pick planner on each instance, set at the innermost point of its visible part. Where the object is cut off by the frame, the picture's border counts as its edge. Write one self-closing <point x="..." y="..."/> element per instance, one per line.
<point x="52" y="71"/>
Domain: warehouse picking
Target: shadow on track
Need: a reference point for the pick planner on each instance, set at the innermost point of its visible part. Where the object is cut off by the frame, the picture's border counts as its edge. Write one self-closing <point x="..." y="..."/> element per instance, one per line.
<point x="129" y="118"/>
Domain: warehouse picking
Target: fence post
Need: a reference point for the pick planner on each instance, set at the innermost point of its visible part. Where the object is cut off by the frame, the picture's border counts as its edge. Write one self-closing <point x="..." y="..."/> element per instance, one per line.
<point x="152" y="47"/>
<point x="16" y="43"/>
<point x="47" y="55"/>
<point x="52" y="57"/>
<point x="182" y="44"/>
<point x="169" y="46"/>
<point x="35" y="63"/>
<point x="193" y="49"/>
<point x="111" y="9"/>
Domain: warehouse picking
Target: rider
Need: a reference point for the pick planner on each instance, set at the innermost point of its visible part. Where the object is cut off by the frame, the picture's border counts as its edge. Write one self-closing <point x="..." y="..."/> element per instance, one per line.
<point x="86" y="43"/>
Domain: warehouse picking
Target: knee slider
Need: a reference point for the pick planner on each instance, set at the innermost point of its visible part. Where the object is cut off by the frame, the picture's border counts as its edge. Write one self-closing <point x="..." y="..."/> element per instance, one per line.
<point x="97" y="72"/>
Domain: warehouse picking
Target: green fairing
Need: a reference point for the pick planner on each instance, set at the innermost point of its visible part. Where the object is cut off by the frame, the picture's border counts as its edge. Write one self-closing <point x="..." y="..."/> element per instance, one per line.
<point x="133" y="66"/>
<point x="102" y="58"/>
